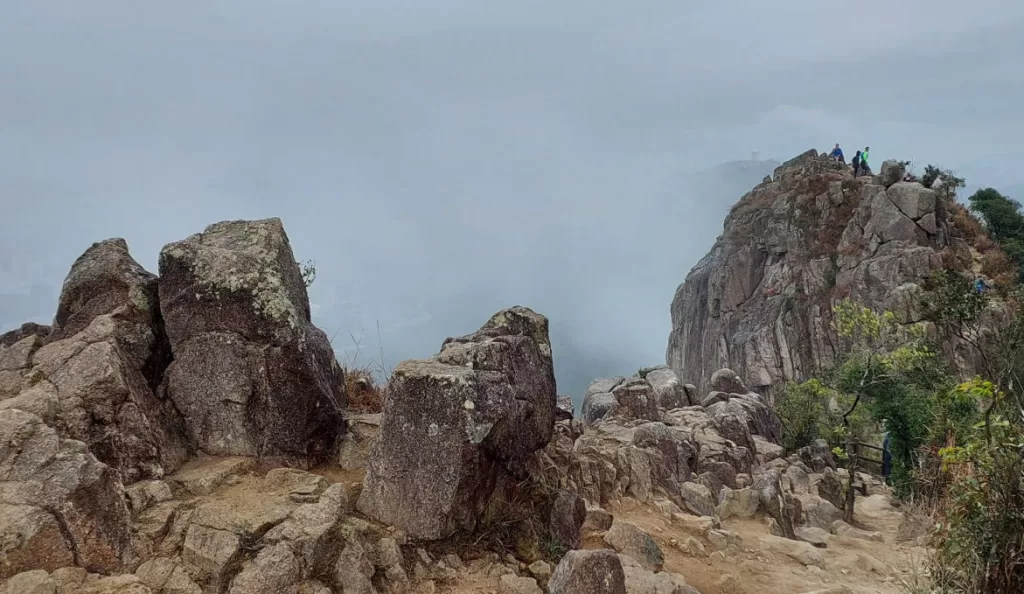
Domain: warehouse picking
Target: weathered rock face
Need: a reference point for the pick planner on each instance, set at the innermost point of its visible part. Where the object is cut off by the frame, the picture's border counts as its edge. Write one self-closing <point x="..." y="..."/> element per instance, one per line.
<point x="94" y="378"/>
<point x="641" y="397"/>
<point x="454" y="424"/>
<point x="761" y="300"/>
<point x="251" y="375"/>
<point x="686" y="457"/>
<point x="59" y="506"/>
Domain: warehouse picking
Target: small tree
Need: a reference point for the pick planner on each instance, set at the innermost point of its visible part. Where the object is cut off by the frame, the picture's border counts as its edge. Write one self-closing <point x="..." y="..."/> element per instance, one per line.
<point x="878" y="354"/>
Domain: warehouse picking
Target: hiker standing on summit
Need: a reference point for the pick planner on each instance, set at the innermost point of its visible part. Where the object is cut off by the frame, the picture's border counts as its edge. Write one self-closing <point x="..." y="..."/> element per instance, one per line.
<point x="837" y="154"/>
<point x="856" y="164"/>
<point x="864" y="167"/>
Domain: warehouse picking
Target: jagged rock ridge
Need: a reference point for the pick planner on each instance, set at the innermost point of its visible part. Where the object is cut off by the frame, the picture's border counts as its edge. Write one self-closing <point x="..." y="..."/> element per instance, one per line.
<point x="760" y="301"/>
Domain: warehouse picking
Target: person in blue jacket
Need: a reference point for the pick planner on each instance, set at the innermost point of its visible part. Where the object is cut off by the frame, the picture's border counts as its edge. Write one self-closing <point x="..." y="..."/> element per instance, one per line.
<point x="837" y="154"/>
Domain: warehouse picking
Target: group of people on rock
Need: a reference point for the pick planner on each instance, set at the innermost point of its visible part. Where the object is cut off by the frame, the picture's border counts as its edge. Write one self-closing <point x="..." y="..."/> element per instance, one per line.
<point x="860" y="160"/>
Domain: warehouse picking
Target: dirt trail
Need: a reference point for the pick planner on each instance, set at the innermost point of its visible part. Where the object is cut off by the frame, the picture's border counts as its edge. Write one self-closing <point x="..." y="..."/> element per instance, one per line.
<point x="861" y="565"/>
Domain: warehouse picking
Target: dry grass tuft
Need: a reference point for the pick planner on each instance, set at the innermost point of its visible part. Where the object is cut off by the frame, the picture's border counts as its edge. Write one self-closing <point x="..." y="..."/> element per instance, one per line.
<point x="365" y="395"/>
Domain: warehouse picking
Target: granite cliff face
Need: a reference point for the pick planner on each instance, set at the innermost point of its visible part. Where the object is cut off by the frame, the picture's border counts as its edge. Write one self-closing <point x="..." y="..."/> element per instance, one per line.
<point x="760" y="302"/>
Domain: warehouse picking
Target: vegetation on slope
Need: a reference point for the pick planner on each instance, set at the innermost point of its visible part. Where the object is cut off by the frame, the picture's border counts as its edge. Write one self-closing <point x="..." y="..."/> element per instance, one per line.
<point x="957" y="443"/>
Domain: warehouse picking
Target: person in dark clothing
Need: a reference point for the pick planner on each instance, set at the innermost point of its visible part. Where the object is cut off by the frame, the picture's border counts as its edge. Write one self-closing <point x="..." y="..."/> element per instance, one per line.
<point x="886" y="457"/>
<point x="837" y="154"/>
<point x="856" y="164"/>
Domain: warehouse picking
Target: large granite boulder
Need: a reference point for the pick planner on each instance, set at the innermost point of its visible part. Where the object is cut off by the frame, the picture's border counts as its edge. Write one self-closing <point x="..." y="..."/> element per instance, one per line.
<point x="59" y="506"/>
<point x="101" y="364"/>
<point x="251" y="374"/>
<point x="453" y="424"/>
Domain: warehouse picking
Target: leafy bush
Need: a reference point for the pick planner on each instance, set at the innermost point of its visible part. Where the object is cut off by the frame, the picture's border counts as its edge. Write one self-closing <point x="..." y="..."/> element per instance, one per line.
<point x="982" y="550"/>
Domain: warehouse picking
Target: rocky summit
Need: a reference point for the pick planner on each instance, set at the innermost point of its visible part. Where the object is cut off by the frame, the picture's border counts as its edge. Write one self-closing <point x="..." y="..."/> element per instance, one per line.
<point x="189" y="432"/>
<point x="761" y="300"/>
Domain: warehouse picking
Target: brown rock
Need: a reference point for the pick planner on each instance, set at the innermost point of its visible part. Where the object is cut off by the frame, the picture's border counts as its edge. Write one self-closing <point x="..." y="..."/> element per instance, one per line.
<point x="568" y="513"/>
<point x="251" y="375"/>
<point x="105" y="357"/>
<point x="631" y="540"/>
<point x="59" y="506"/>
<point x="452" y="424"/>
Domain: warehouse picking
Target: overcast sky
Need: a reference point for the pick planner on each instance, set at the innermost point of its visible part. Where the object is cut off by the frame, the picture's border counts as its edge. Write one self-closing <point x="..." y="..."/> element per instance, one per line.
<point x="441" y="160"/>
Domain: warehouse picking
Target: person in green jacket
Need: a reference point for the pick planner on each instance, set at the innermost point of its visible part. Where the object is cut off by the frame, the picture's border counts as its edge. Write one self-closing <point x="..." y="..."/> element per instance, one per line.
<point x="864" y="167"/>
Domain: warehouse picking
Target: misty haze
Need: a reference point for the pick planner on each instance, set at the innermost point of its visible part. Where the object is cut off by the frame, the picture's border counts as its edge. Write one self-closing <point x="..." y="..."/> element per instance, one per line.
<point x="442" y="161"/>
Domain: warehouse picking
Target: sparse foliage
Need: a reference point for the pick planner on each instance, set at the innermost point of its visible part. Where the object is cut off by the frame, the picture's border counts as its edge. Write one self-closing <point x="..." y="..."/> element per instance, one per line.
<point x="308" y="270"/>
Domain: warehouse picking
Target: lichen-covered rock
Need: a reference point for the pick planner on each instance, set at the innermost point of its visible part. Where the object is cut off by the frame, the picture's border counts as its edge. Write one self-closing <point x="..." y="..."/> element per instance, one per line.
<point x="760" y="301"/>
<point x="588" y="572"/>
<point x="455" y="423"/>
<point x="59" y="506"/>
<point x="251" y="375"/>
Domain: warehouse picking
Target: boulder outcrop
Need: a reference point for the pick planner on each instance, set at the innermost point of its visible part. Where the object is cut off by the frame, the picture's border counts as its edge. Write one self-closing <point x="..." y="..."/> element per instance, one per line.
<point x="251" y="375"/>
<point x="95" y="376"/>
<point x="761" y="300"/>
<point x="454" y="424"/>
<point x="59" y="506"/>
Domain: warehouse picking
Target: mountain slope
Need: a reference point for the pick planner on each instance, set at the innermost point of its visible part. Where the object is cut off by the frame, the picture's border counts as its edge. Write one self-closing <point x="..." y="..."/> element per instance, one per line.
<point x="761" y="300"/>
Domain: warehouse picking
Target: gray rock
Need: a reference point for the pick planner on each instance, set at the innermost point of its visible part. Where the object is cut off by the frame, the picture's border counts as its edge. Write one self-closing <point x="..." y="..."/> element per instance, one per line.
<point x="588" y="572"/>
<point x="913" y="199"/>
<point x="598" y="520"/>
<point x="814" y="536"/>
<point x="668" y="391"/>
<point x="775" y="502"/>
<point x="714" y="398"/>
<point x="568" y="514"/>
<point x="891" y="172"/>
<point x="741" y="503"/>
<point x="819" y="513"/>
<point x="728" y="381"/>
<point x="251" y="374"/>
<point x="631" y="540"/>
<point x="799" y="480"/>
<point x="636" y="400"/>
<point x="512" y="584"/>
<point x="453" y="423"/>
<point x="830" y="488"/>
<point x="642" y="581"/>
<point x="597" y="405"/>
<point x="697" y="499"/>
<point x="353" y="571"/>
<point x="275" y="570"/>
